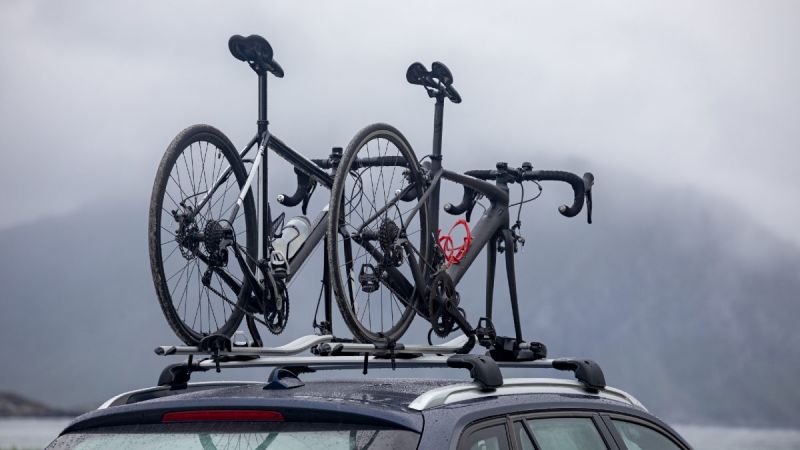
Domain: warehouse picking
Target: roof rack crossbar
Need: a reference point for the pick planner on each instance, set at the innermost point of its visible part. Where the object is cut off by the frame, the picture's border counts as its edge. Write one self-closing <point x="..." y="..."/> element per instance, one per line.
<point x="589" y="374"/>
<point x="322" y="345"/>
<point x="330" y="353"/>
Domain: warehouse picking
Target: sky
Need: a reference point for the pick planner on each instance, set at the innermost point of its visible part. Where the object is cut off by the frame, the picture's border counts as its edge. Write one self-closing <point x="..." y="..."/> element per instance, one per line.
<point x="683" y="93"/>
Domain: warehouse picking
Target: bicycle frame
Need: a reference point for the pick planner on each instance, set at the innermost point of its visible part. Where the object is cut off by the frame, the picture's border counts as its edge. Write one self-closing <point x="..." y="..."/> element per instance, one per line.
<point x="266" y="141"/>
<point x="269" y="141"/>
<point x="494" y="224"/>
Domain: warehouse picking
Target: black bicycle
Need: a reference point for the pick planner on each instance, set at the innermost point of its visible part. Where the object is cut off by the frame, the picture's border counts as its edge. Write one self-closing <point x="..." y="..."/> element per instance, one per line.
<point x="207" y="205"/>
<point x="388" y="259"/>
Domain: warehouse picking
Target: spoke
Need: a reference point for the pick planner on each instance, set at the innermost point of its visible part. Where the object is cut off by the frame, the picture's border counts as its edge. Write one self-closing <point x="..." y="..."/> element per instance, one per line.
<point x="196" y="311"/>
<point x="163" y="260"/>
<point x="170" y="232"/>
<point x="194" y="183"/>
<point x="179" y="270"/>
<point x="177" y="205"/>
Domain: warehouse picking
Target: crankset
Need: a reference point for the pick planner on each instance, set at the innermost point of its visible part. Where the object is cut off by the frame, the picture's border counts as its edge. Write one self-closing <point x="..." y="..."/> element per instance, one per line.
<point x="277" y="318"/>
<point x="275" y="306"/>
<point x="442" y="297"/>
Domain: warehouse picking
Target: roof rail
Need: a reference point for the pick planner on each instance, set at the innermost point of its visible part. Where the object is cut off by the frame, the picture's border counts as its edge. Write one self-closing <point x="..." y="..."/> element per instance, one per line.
<point x="328" y="353"/>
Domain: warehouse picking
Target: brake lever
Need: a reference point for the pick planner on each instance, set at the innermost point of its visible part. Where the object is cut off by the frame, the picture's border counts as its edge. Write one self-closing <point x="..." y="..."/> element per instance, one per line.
<point x="588" y="182"/>
<point x="310" y="190"/>
<point x="305" y="187"/>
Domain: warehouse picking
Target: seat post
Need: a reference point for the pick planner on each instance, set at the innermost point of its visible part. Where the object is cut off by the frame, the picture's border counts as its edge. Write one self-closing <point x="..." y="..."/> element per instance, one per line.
<point x="262" y="103"/>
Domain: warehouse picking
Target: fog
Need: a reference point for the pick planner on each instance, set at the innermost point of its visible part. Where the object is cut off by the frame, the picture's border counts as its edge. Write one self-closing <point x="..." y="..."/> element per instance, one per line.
<point x="702" y="94"/>
<point x="686" y="112"/>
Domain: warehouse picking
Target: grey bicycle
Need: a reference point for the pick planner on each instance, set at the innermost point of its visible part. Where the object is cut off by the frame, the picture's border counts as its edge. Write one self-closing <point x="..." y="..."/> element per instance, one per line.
<point x="388" y="261"/>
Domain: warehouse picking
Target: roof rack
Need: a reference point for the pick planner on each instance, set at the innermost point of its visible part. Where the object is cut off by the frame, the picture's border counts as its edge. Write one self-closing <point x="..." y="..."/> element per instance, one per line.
<point x="330" y="353"/>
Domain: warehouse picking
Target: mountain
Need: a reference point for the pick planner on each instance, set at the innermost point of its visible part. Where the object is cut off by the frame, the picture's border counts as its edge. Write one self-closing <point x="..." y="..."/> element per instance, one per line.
<point x="683" y="301"/>
<point x="13" y="405"/>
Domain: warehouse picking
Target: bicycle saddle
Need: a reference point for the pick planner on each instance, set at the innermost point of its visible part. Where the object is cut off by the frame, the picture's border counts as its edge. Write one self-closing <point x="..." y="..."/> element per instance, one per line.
<point x="440" y="71"/>
<point x="416" y="73"/>
<point x="437" y="81"/>
<point x="256" y="51"/>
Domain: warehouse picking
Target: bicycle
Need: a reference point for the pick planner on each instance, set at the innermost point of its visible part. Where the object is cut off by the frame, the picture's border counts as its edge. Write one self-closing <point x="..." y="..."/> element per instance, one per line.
<point x="404" y="267"/>
<point x="203" y="207"/>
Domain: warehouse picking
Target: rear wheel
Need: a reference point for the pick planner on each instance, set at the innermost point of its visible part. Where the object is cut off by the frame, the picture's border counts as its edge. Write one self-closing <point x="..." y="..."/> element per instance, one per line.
<point x="199" y="284"/>
<point x="370" y="267"/>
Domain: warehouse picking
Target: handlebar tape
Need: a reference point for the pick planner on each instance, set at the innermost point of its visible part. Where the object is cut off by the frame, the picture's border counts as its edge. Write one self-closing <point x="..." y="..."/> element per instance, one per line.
<point x="466" y="203"/>
<point x="303" y="186"/>
<point x="577" y="183"/>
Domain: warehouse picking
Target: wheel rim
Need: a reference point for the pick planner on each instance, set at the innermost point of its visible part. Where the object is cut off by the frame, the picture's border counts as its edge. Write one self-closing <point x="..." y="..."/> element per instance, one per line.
<point x="189" y="261"/>
<point x="380" y="312"/>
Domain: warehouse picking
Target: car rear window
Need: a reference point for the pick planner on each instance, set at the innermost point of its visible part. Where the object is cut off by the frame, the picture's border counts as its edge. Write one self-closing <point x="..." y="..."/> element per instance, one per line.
<point x="239" y="436"/>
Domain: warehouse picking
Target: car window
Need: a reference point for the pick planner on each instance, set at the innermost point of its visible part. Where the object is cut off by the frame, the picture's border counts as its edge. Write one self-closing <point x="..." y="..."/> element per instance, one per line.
<point x="215" y="436"/>
<point x="524" y="440"/>
<point x="566" y="433"/>
<point x="639" y="437"/>
<point x="489" y="438"/>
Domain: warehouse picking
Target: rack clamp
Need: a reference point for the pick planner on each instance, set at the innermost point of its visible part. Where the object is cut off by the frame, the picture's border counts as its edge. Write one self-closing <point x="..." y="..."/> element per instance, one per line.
<point x="509" y="349"/>
<point x="215" y="343"/>
<point x="385" y="350"/>
<point x="335" y="347"/>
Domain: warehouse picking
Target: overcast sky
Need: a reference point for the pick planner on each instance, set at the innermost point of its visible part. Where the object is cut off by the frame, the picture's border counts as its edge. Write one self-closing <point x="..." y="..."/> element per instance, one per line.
<point x="698" y="94"/>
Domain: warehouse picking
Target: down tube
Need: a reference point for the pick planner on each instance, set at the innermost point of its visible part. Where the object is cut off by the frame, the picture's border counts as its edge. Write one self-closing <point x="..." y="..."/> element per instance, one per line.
<point x="315" y="236"/>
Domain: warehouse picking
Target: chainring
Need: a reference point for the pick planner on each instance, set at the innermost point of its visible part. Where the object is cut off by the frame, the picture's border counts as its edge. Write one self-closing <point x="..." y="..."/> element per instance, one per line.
<point x="275" y="319"/>
<point x="442" y="290"/>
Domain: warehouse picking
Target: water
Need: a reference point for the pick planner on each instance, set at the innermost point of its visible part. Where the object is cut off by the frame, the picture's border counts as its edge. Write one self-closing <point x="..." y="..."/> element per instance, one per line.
<point x="29" y="433"/>
<point x="735" y="438"/>
<point x="37" y="433"/>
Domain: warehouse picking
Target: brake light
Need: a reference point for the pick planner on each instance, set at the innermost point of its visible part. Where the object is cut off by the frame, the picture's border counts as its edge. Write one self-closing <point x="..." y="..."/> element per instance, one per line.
<point x="223" y="415"/>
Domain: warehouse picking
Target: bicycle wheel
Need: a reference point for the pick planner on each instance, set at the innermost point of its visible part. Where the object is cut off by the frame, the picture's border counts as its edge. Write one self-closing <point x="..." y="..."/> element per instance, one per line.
<point x="200" y="291"/>
<point x="371" y="270"/>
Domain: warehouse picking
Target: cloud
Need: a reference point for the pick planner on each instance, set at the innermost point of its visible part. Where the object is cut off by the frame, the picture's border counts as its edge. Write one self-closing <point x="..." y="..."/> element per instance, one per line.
<point x="703" y="95"/>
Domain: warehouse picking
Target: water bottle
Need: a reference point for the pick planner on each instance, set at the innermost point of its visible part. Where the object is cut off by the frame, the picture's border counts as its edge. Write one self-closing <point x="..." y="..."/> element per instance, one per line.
<point x="293" y="234"/>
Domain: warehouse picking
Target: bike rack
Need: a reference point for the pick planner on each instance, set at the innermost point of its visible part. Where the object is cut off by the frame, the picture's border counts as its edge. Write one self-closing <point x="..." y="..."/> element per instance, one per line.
<point x="328" y="354"/>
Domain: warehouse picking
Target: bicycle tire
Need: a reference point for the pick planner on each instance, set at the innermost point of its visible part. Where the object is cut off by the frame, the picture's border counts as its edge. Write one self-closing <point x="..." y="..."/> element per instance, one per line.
<point x="174" y="162"/>
<point x="344" y="286"/>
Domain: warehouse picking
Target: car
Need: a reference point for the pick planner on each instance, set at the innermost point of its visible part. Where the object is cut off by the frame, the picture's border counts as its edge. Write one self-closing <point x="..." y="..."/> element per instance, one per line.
<point x="490" y="412"/>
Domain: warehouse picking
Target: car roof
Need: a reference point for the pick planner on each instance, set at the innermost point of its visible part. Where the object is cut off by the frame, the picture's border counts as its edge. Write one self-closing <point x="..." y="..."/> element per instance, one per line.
<point x="396" y="402"/>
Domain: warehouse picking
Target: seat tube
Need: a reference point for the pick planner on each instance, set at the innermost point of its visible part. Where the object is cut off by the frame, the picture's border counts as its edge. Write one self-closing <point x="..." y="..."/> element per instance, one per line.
<point x="436" y="163"/>
<point x="262" y="103"/>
